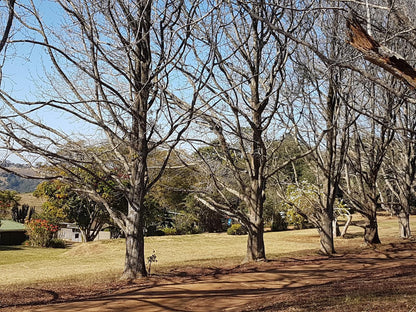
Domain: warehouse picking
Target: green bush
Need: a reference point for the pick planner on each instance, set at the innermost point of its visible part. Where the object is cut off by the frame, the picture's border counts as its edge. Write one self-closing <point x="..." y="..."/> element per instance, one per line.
<point x="186" y="223"/>
<point x="296" y="220"/>
<point x="236" y="229"/>
<point x="279" y="223"/>
<point x="169" y="231"/>
<point x="211" y="221"/>
<point x="57" y="243"/>
<point x="154" y="231"/>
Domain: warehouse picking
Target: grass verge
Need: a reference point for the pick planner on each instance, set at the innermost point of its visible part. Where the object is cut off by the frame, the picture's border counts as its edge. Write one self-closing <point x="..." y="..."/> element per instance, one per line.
<point x="104" y="260"/>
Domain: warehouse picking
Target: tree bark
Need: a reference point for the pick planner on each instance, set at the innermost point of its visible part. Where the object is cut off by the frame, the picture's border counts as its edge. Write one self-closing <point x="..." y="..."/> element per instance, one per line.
<point x="135" y="261"/>
<point x="407" y="193"/>
<point x="8" y="25"/>
<point x="371" y="231"/>
<point x="347" y="224"/>
<point x="255" y="242"/>
<point x="404" y="224"/>
<point x="83" y="236"/>
<point x="326" y="235"/>
<point x="335" y="228"/>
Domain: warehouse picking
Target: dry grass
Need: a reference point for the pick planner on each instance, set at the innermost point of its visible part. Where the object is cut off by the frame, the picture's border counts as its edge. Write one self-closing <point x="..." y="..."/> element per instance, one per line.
<point x="105" y="259"/>
<point x="32" y="201"/>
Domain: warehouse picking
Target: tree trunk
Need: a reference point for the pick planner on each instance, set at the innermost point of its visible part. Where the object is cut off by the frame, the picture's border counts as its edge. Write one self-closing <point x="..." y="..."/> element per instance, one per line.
<point x="326" y="235"/>
<point x="347" y="224"/>
<point x="404" y="208"/>
<point x="404" y="224"/>
<point x="335" y="228"/>
<point x="83" y="235"/>
<point x="255" y="243"/>
<point x="371" y="232"/>
<point x="255" y="240"/>
<point x="87" y="234"/>
<point x="134" y="263"/>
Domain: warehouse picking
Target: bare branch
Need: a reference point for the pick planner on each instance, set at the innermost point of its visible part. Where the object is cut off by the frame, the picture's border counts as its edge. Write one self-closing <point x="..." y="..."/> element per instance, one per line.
<point x="380" y="55"/>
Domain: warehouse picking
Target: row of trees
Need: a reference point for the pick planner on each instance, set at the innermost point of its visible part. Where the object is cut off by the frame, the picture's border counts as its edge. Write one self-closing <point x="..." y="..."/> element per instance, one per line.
<point x="226" y="81"/>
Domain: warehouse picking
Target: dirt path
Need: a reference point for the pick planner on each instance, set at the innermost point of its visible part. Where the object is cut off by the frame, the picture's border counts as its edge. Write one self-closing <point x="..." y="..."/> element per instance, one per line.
<point x="269" y="286"/>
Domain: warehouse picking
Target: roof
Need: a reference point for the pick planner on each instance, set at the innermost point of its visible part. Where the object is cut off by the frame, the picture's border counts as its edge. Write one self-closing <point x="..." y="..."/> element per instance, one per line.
<point x="11" y="226"/>
<point x="68" y="225"/>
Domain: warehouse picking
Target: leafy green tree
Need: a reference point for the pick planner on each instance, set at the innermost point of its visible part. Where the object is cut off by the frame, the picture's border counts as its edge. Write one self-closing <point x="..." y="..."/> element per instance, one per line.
<point x="208" y="220"/>
<point x="89" y="215"/>
<point x="65" y="204"/>
<point x="173" y="188"/>
<point x="300" y="204"/>
<point x="56" y="193"/>
<point x="8" y="200"/>
<point x="293" y="167"/>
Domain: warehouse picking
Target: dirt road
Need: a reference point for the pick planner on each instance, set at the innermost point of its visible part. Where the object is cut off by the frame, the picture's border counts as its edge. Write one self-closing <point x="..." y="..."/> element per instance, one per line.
<point x="298" y="284"/>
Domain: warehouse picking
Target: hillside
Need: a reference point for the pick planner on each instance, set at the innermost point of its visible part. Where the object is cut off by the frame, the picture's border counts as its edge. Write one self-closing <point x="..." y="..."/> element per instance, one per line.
<point x="10" y="181"/>
<point x="32" y="201"/>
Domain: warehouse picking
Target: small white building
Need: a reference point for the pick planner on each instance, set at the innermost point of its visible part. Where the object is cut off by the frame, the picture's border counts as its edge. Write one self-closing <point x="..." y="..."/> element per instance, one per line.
<point x="71" y="232"/>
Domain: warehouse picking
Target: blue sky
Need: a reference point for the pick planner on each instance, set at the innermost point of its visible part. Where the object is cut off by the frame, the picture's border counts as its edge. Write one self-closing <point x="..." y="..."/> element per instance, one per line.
<point x="24" y="68"/>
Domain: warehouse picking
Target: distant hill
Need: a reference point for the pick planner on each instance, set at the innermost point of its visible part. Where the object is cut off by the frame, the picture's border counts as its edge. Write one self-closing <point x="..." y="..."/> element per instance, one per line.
<point x="10" y="181"/>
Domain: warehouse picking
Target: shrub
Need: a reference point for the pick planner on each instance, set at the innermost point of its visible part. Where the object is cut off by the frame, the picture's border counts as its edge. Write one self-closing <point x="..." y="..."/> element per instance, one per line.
<point x="279" y="223"/>
<point x="152" y="230"/>
<point x="236" y="229"/>
<point x="169" y="231"/>
<point x="57" y="243"/>
<point x="296" y="220"/>
<point x="186" y="223"/>
<point x="211" y="221"/>
<point x="40" y="232"/>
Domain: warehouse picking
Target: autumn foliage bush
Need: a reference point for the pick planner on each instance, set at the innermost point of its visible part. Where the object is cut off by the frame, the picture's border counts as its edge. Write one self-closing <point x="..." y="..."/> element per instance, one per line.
<point x="40" y="232"/>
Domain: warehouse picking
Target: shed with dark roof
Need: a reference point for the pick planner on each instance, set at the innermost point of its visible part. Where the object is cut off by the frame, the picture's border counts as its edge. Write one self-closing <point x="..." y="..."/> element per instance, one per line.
<point x="12" y="233"/>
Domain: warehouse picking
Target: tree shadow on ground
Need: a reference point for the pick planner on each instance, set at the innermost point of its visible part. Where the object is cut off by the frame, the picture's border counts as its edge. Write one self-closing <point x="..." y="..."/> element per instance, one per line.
<point x="272" y="286"/>
<point x="353" y="235"/>
<point x="10" y="247"/>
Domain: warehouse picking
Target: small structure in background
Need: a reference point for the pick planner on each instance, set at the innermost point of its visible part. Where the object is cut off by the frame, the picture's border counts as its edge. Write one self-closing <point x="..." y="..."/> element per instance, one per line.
<point x="71" y="232"/>
<point x="12" y="233"/>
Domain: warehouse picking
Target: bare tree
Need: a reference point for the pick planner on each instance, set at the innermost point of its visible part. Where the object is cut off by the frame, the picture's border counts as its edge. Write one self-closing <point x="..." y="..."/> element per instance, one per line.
<point x="399" y="169"/>
<point x="384" y="32"/>
<point x="325" y="91"/>
<point x="394" y="22"/>
<point x="6" y="28"/>
<point x="109" y="71"/>
<point x="246" y="100"/>
<point x="372" y="134"/>
<point x="9" y="16"/>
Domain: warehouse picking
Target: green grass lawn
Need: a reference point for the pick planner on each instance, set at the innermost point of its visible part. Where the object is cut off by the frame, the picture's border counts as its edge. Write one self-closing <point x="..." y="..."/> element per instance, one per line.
<point x="90" y="262"/>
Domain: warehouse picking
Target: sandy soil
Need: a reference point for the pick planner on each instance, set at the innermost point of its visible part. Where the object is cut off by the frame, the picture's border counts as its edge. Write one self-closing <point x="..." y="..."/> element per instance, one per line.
<point x="379" y="279"/>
